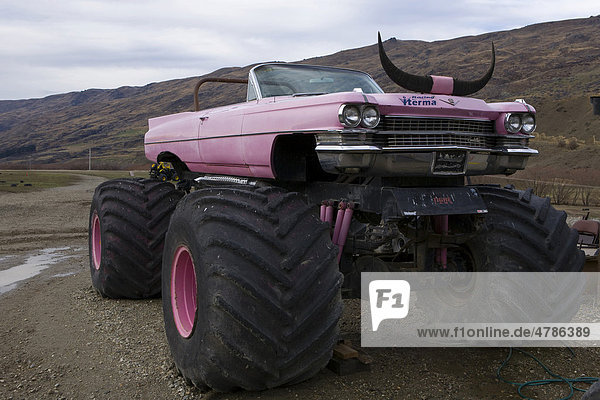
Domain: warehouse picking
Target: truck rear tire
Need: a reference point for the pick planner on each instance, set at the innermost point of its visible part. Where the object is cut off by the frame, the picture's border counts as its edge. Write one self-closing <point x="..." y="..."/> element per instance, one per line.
<point x="127" y="225"/>
<point x="524" y="233"/>
<point x="251" y="289"/>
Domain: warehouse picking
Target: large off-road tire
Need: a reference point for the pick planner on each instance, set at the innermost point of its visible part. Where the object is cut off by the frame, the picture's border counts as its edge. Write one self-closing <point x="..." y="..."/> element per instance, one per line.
<point x="251" y="289"/>
<point x="127" y="226"/>
<point x="523" y="232"/>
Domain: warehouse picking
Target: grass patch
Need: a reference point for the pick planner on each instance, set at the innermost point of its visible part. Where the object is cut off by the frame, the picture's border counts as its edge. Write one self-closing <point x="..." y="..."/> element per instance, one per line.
<point x="112" y="174"/>
<point x="29" y="181"/>
<point x="22" y="181"/>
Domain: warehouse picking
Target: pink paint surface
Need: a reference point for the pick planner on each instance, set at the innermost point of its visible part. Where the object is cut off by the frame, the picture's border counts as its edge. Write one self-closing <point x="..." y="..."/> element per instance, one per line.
<point x="442" y="85"/>
<point x="238" y="139"/>
<point x="96" y="241"/>
<point x="183" y="291"/>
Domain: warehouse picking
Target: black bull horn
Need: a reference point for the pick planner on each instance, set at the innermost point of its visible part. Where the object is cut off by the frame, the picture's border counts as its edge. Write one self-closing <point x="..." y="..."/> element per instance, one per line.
<point x="433" y="84"/>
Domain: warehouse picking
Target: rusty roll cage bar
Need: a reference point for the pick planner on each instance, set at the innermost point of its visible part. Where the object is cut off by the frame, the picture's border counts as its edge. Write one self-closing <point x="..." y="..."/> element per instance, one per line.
<point x="222" y="80"/>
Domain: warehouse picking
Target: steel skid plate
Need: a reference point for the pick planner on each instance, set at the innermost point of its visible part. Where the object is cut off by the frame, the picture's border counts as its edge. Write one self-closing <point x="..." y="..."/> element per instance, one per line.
<point x="402" y="202"/>
<point x="394" y="203"/>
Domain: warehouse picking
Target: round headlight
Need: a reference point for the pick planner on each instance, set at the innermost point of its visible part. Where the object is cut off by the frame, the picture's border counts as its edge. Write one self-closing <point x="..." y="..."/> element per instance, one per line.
<point x="370" y="117"/>
<point x="513" y="123"/>
<point x="528" y="124"/>
<point x="350" y="116"/>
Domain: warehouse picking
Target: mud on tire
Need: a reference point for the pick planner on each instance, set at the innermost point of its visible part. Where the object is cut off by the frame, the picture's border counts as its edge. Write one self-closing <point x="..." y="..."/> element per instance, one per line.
<point x="127" y="225"/>
<point x="251" y="289"/>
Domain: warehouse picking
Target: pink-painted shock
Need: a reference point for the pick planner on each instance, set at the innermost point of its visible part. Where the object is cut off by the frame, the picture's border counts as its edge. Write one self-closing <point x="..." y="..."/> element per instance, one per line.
<point x="440" y="225"/>
<point x="322" y="212"/>
<point x="444" y="255"/>
<point x="329" y="213"/>
<point x="437" y="229"/>
<point x="345" y="229"/>
<point x="339" y="220"/>
<point x="183" y="291"/>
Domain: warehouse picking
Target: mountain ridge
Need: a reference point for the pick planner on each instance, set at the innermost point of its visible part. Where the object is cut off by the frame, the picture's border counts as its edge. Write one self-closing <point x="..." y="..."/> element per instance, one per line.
<point x="550" y="64"/>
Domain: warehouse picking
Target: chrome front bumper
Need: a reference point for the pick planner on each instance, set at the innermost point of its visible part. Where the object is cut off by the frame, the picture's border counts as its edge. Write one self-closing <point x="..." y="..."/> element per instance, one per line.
<point x="371" y="159"/>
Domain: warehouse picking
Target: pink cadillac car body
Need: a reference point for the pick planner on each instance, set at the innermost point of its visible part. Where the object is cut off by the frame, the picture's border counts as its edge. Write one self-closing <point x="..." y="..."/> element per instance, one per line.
<point x="313" y="117"/>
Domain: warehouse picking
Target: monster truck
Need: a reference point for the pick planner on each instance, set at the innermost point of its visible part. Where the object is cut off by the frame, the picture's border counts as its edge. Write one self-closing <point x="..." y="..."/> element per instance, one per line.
<point x="285" y="198"/>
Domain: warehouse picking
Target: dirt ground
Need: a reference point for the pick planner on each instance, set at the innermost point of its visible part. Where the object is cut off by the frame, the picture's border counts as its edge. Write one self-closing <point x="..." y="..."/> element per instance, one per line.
<point x="60" y="340"/>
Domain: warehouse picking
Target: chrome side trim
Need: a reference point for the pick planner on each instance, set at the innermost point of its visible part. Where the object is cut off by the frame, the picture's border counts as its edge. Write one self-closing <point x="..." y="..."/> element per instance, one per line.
<point x="525" y="151"/>
<point x="326" y="147"/>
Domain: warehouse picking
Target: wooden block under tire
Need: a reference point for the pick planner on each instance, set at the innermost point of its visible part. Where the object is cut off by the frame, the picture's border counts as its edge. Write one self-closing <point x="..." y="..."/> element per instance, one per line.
<point x="344" y="352"/>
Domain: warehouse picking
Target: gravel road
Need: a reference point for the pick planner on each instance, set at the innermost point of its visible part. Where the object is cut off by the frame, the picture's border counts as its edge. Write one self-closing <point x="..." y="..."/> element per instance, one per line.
<point x="60" y="340"/>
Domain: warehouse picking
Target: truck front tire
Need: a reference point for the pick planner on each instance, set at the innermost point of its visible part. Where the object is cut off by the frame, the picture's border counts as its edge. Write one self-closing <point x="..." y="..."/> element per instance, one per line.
<point x="251" y="289"/>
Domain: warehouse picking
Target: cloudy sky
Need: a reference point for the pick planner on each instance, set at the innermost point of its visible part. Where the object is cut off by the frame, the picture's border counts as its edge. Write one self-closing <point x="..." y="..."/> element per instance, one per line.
<point x="58" y="46"/>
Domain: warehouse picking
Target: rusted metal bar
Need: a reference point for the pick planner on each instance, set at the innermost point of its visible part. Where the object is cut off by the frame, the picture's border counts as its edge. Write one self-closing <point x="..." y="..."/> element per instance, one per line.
<point x="222" y="80"/>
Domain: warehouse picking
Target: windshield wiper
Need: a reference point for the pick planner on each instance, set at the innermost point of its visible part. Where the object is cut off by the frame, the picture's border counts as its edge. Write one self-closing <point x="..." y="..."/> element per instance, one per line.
<point x="308" y="94"/>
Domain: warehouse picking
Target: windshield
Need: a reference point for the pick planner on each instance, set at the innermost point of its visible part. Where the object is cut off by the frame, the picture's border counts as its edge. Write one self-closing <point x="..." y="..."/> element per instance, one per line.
<point x="304" y="80"/>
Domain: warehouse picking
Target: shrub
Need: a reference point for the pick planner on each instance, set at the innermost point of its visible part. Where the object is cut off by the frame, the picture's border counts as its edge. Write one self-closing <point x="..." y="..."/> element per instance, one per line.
<point x="572" y="144"/>
<point x="562" y="191"/>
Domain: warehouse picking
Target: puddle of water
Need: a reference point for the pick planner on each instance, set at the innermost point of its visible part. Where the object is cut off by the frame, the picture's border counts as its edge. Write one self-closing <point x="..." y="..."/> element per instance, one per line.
<point x="64" y="274"/>
<point x="32" y="266"/>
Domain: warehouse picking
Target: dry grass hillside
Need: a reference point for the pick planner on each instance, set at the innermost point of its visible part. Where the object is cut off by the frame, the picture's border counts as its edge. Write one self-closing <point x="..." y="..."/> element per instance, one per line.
<point x="555" y="66"/>
<point x="571" y="117"/>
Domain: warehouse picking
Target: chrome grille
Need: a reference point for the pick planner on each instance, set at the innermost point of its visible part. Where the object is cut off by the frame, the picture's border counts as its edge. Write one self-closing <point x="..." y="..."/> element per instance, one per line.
<point x="396" y="123"/>
<point x="424" y="140"/>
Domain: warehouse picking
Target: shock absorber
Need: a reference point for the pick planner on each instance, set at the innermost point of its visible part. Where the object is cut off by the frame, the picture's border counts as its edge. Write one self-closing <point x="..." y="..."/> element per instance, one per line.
<point x="342" y="221"/>
<point x="440" y="225"/>
<point x="345" y="229"/>
<point x="339" y="220"/>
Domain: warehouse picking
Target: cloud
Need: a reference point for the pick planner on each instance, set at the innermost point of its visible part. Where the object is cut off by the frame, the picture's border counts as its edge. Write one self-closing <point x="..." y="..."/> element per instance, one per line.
<point x="60" y="46"/>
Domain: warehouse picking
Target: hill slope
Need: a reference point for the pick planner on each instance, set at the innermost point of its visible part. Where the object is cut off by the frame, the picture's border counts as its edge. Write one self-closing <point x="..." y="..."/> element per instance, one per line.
<point x="555" y="66"/>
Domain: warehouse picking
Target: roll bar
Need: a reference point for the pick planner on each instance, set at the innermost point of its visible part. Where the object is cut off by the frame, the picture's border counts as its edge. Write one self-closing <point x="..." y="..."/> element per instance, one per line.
<point x="222" y="80"/>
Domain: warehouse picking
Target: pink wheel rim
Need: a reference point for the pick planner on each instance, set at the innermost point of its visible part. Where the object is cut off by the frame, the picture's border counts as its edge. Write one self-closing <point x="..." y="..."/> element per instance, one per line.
<point x="96" y="241"/>
<point x="183" y="291"/>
